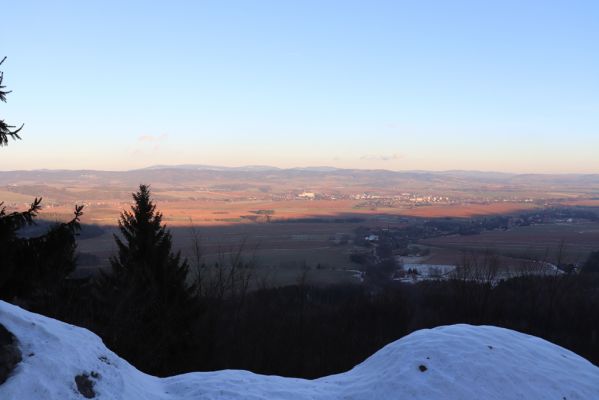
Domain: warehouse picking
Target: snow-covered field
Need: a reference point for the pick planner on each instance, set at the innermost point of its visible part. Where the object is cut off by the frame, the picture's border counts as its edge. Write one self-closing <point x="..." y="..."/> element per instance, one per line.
<point x="419" y="271"/>
<point x="416" y="272"/>
<point x="451" y="362"/>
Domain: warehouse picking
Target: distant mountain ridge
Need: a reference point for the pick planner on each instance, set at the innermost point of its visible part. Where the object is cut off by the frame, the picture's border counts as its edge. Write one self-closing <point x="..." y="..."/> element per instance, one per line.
<point x="197" y="173"/>
<point x="320" y="168"/>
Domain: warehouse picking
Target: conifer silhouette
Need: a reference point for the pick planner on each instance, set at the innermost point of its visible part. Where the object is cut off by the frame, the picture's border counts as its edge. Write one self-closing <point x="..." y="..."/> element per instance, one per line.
<point x="32" y="267"/>
<point x="145" y="250"/>
<point x="146" y="297"/>
<point x="6" y="131"/>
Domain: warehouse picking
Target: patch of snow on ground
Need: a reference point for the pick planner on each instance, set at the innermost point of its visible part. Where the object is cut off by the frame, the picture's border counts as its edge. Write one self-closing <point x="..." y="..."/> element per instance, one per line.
<point x="357" y="274"/>
<point x="430" y="269"/>
<point x="451" y="362"/>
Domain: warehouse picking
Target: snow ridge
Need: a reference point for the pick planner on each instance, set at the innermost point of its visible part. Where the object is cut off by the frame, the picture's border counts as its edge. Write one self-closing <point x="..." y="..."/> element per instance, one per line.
<point x="450" y="362"/>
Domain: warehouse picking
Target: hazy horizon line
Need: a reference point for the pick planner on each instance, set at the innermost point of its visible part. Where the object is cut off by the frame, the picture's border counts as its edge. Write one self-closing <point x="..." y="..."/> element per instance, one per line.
<point x="258" y="167"/>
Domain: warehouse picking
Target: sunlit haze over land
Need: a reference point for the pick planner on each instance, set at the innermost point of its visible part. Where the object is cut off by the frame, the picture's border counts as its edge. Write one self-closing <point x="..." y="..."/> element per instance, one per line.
<point x="510" y="86"/>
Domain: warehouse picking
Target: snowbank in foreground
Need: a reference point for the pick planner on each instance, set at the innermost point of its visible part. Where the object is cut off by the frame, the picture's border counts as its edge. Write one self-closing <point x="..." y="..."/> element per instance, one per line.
<point x="450" y="362"/>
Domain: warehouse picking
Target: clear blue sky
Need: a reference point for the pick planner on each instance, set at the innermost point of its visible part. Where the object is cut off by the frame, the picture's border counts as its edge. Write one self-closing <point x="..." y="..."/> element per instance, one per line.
<point x="504" y="85"/>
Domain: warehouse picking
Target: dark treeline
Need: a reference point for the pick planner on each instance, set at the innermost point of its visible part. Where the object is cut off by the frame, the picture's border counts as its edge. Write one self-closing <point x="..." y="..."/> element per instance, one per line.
<point x="307" y="331"/>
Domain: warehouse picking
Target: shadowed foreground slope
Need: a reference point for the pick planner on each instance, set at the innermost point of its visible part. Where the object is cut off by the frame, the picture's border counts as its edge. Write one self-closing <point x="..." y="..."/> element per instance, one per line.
<point x="61" y="361"/>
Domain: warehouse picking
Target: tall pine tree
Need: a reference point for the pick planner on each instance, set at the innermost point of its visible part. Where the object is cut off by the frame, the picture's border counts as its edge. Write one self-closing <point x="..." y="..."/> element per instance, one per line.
<point x="149" y="305"/>
<point x="32" y="269"/>
<point x="145" y="251"/>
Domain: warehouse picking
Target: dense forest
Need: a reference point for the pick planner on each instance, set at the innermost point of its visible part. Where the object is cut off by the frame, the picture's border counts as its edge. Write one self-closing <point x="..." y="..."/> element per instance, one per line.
<point x="308" y="331"/>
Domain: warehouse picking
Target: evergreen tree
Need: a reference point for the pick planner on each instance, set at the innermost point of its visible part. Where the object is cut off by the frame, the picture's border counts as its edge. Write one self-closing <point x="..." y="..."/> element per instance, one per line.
<point x="147" y="299"/>
<point x="146" y="254"/>
<point x="32" y="268"/>
<point x="6" y="130"/>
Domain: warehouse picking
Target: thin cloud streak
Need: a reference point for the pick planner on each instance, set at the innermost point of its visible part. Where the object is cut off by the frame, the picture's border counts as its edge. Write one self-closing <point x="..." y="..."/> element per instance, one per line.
<point x="382" y="157"/>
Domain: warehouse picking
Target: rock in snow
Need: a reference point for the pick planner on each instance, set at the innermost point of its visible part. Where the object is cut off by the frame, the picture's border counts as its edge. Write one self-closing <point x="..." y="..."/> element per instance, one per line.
<point x="450" y="362"/>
